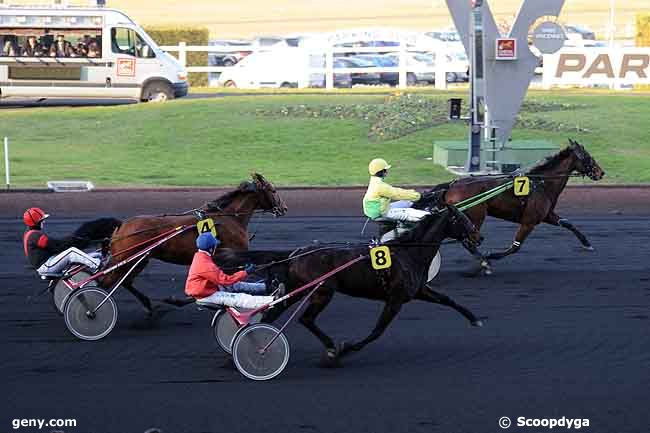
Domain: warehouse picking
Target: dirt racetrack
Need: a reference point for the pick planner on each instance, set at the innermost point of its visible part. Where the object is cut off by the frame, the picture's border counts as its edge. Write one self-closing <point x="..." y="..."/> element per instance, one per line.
<point x="567" y="333"/>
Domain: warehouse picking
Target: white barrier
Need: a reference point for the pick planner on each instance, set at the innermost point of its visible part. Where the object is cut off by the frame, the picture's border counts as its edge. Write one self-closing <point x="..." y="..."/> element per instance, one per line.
<point x="440" y="69"/>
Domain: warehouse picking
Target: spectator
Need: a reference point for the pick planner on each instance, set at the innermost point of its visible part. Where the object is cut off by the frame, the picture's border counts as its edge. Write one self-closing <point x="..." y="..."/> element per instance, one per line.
<point x="10" y="49"/>
<point x="33" y="48"/>
<point x="61" y="48"/>
<point x="46" y="40"/>
<point x="94" y="50"/>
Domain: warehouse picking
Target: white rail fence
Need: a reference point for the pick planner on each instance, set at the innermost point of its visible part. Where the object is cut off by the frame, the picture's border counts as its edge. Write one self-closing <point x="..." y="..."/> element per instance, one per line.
<point x="328" y="56"/>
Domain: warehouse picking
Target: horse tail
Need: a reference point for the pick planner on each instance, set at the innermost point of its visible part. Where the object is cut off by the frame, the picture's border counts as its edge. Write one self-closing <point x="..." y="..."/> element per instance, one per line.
<point x="97" y="230"/>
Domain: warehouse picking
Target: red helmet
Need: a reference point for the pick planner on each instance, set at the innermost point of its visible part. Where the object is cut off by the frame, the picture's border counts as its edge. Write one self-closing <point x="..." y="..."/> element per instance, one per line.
<point x="33" y="216"/>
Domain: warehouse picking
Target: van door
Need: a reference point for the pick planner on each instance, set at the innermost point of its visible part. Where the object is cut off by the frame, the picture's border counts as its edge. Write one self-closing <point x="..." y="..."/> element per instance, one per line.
<point x="134" y="61"/>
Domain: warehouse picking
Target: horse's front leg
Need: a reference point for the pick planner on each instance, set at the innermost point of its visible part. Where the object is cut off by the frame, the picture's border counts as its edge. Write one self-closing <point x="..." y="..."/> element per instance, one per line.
<point x="392" y="307"/>
<point x="482" y="258"/>
<point x="556" y="220"/>
<point x="428" y="295"/>
<point x="520" y="237"/>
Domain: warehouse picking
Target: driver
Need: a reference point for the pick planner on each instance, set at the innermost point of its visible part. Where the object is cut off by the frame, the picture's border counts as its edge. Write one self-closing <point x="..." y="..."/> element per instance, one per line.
<point x="377" y="201"/>
<point x="208" y="284"/>
<point x="47" y="255"/>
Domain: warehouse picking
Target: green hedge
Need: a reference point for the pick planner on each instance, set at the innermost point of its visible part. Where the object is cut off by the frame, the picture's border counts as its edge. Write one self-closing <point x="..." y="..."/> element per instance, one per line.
<point x="643" y="30"/>
<point x="191" y="36"/>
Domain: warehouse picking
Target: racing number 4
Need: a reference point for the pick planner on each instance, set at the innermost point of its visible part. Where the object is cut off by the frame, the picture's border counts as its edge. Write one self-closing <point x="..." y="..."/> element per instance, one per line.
<point x="380" y="257"/>
<point x="522" y="186"/>
<point x="207" y="225"/>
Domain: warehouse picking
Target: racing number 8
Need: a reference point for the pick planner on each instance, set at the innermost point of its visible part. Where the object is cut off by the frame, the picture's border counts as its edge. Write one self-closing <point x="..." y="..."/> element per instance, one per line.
<point x="380" y="257"/>
<point x="522" y="186"/>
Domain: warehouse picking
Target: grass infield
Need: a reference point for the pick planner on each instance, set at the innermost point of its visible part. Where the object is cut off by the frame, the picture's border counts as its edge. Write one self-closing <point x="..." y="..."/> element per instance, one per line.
<point x="217" y="142"/>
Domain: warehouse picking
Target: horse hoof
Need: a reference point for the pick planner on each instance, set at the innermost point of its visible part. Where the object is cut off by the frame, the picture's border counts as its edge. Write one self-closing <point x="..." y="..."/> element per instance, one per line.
<point x="477" y="323"/>
<point x="588" y="248"/>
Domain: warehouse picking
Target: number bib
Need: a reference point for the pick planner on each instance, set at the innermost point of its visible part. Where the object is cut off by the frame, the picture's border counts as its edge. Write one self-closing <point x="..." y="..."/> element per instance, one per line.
<point x="522" y="186"/>
<point x="380" y="257"/>
<point x="207" y="225"/>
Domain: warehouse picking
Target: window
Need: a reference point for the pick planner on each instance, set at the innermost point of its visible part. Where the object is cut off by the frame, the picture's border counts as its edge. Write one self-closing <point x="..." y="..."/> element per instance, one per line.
<point x="127" y="41"/>
<point x="50" y="42"/>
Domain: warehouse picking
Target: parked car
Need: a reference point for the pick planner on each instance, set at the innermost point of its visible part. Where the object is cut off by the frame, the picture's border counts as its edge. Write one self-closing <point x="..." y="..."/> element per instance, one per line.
<point x="367" y="78"/>
<point x="284" y="67"/>
<point x="340" y="79"/>
<point x="382" y="61"/>
<point x="444" y="35"/>
<point x="583" y="32"/>
<point x="227" y="57"/>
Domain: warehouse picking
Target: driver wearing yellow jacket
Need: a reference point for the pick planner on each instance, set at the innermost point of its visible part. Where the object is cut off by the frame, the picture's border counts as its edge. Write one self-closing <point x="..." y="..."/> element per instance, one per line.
<point x="377" y="201"/>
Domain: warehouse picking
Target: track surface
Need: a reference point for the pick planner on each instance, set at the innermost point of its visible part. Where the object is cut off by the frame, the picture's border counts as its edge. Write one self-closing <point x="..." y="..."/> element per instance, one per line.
<point x="567" y="334"/>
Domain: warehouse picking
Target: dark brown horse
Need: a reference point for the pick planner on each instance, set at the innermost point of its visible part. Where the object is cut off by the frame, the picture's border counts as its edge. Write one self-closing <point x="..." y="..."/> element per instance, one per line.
<point x="231" y="213"/>
<point x="404" y="281"/>
<point x="548" y="179"/>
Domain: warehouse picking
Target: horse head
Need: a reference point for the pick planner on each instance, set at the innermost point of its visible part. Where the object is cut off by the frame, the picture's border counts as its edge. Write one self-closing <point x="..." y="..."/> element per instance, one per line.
<point x="585" y="163"/>
<point x="269" y="198"/>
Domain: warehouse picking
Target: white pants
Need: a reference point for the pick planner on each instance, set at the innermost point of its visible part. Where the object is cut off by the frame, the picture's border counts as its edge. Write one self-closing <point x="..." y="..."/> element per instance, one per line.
<point x="239" y="295"/>
<point x="237" y="300"/>
<point x="402" y="211"/>
<point x="56" y="265"/>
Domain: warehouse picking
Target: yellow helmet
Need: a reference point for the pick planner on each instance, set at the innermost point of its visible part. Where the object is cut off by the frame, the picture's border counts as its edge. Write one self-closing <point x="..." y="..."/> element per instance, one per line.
<point x="377" y="165"/>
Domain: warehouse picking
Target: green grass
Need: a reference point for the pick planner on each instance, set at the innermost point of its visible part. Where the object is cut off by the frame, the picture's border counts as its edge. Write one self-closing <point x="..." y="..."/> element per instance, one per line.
<point x="217" y="142"/>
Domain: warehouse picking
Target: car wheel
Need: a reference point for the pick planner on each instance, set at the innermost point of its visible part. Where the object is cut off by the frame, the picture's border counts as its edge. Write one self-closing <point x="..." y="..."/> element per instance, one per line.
<point x="229" y="62"/>
<point x="157" y="91"/>
<point x="230" y="83"/>
<point x="451" y="77"/>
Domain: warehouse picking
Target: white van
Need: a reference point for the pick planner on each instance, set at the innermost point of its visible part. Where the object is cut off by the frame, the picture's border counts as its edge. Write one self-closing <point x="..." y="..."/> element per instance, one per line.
<point x="78" y="52"/>
<point x="282" y="67"/>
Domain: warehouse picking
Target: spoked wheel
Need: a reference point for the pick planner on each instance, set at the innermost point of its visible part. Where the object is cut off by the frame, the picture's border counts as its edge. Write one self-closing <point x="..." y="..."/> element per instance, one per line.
<point x="434" y="267"/>
<point x="224" y="328"/>
<point x="61" y="292"/>
<point x="250" y="357"/>
<point x="81" y="318"/>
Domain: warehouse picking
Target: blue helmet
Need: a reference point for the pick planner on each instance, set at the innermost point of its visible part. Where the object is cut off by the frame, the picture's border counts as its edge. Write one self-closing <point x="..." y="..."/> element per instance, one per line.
<point x="206" y="241"/>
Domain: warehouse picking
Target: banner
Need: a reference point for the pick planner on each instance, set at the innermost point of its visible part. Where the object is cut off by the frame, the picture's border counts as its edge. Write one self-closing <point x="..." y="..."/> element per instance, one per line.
<point x="591" y="66"/>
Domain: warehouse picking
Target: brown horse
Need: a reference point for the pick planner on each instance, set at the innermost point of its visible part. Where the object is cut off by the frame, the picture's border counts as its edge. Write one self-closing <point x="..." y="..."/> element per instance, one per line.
<point x="231" y="213"/>
<point x="548" y="179"/>
<point x="404" y="281"/>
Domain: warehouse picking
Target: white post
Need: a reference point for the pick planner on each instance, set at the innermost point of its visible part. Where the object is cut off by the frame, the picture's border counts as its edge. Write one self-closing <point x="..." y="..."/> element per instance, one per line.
<point x="329" y="68"/>
<point x="182" y="54"/>
<point x="440" y="76"/>
<point x="402" y="64"/>
<point x="7" y="162"/>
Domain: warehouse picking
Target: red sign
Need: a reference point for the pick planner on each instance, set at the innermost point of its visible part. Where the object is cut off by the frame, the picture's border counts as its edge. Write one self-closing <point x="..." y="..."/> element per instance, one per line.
<point x="126" y="67"/>
<point x="506" y="49"/>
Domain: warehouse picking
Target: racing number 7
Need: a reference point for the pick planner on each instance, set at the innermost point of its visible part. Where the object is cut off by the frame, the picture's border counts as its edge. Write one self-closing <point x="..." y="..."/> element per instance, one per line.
<point x="522" y="186"/>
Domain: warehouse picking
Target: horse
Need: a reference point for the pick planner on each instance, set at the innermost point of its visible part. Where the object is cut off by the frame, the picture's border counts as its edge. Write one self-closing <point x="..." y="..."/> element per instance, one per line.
<point x="548" y="179"/>
<point x="231" y="213"/>
<point x="403" y="282"/>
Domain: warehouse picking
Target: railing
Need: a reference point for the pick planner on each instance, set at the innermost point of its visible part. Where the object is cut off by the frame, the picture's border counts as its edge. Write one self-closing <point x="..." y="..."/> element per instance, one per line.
<point x="440" y="69"/>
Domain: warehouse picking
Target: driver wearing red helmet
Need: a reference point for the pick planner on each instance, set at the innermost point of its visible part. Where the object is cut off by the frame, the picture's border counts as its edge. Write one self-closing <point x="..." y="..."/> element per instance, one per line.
<point x="48" y="255"/>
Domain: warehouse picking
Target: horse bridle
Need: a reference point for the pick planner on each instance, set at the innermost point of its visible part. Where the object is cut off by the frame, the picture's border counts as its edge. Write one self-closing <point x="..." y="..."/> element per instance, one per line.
<point x="587" y="162"/>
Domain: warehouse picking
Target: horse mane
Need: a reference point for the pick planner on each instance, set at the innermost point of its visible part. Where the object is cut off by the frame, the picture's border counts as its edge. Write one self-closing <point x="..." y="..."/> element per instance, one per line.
<point x="550" y="161"/>
<point x="222" y="202"/>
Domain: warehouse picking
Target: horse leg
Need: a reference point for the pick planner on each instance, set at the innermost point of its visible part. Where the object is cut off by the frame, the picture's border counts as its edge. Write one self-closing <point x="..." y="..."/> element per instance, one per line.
<point x="317" y="304"/>
<point x="428" y="295"/>
<point x="144" y="299"/>
<point x="520" y="237"/>
<point x="477" y="216"/>
<point x="391" y="309"/>
<point x="556" y="220"/>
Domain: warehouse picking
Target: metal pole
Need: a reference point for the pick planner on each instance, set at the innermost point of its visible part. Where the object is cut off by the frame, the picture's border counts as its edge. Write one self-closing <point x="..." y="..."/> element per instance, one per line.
<point x="7" y="182"/>
<point x="476" y="79"/>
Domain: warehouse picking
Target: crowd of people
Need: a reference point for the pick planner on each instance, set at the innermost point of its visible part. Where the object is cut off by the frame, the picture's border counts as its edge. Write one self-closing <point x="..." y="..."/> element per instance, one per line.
<point x="50" y="46"/>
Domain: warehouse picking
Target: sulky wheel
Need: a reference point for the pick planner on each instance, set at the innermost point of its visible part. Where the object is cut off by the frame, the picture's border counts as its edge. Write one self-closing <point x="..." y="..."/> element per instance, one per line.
<point x="224" y="328"/>
<point x="250" y="357"/>
<point x="61" y="292"/>
<point x="434" y="267"/>
<point x="81" y="318"/>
